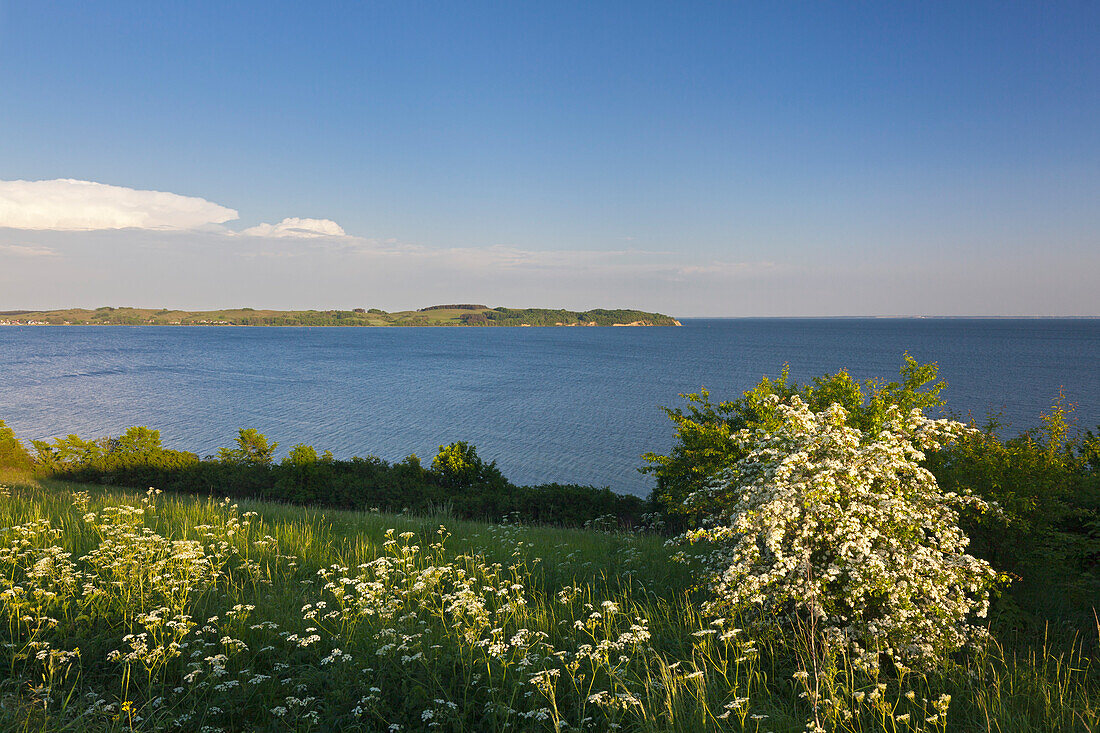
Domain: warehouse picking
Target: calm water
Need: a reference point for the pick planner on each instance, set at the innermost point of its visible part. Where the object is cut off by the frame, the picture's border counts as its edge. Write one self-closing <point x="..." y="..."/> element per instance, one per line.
<point x="549" y="404"/>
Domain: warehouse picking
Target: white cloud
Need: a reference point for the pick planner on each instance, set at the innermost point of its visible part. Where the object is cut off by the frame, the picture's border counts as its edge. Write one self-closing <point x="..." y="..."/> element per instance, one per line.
<point x="67" y="204"/>
<point x="296" y="228"/>
<point x="22" y="250"/>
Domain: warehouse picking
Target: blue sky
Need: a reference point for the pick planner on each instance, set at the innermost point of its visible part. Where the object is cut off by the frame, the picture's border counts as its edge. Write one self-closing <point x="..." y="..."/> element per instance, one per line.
<point x="696" y="158"/>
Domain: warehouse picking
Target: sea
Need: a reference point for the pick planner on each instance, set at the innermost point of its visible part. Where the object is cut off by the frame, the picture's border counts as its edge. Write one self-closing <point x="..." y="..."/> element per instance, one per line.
<point x="567" y="405"/>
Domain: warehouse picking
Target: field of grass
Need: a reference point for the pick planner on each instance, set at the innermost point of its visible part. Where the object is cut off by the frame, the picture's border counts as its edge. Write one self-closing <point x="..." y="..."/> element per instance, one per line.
<point x="125" y="611"/>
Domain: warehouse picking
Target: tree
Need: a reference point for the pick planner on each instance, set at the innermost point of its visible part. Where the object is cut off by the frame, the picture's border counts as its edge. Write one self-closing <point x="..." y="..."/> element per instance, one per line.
<point x="12" y="452"/>
<point x="458" y="465"/>
<point x="252" y="449"/>
<point x="301" y="455"/>
<point x="138" y="440"/>
<point x="69" y="452"/>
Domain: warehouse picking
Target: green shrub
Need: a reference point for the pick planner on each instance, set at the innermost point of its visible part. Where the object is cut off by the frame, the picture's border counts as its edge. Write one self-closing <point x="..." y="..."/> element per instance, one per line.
<point x="703" y="450"/>
<point x="459" y="478"/>
<point x="301" y="455"/>
<point x="458" y="465"/>
<point x="13" y="455"/>
<point x="1047" y="483"/>
<point x="253" y="449"/>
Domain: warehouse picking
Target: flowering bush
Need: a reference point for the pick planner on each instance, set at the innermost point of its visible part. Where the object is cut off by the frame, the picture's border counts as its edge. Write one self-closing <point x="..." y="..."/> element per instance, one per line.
<point x="845" y="531"/>
<point x="703" y="451"/>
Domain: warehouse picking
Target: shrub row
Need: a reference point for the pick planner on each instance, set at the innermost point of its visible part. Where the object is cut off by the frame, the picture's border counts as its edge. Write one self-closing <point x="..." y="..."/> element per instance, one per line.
<point x="458" y="480"/>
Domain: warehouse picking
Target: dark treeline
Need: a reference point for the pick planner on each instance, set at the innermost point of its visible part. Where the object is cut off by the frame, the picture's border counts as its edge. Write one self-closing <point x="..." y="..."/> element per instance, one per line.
<point x="458" y="306"/>
<point x="458" y="480"/>
<point x="323" y="318"/>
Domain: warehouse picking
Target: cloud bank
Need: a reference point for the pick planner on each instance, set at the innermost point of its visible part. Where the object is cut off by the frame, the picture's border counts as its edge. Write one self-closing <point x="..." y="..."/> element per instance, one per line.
<point x="66" y="204"/>
<point x="69" y="205"/>
<point x="296" y="228"/>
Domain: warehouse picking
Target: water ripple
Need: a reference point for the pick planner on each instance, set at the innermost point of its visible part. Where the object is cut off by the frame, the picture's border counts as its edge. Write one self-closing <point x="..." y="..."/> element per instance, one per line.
<point x="569" y="405"/>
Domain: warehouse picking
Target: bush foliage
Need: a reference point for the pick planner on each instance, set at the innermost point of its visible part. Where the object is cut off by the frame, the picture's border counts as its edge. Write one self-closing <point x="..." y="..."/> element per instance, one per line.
<point x="842" y="531"/>
<point x="12" y="453"/>
<point x="458" y="480"/>
<point x="1046" y="482"/>
<point x="703" y="450"/>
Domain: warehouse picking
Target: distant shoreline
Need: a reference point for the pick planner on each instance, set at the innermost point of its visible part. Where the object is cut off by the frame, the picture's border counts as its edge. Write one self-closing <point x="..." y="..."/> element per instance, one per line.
<point x="4" y="324"/>
<point x="464" y="315"/>
<point x="24" y="318"/>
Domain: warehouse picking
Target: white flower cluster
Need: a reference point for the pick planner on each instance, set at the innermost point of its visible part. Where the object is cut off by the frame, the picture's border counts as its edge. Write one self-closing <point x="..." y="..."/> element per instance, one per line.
<point x="479" y="611"/>
<point x="848" y="532"/>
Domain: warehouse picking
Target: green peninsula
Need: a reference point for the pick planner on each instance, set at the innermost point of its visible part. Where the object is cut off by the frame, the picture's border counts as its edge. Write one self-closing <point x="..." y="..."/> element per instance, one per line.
<point x="436" y="315"/>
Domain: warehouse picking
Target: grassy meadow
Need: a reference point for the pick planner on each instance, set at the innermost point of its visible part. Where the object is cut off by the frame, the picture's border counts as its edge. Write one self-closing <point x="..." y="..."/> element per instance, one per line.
<point x="147" y="612"/>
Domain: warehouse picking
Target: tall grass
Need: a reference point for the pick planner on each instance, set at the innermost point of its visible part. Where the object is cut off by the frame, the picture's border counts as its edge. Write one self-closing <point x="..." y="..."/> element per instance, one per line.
<point x="129" y="612"/>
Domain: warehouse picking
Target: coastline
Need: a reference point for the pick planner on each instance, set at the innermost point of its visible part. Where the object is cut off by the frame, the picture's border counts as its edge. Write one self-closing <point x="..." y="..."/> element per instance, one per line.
<point x="4" y="324"/>
<point x="431" y="316"/>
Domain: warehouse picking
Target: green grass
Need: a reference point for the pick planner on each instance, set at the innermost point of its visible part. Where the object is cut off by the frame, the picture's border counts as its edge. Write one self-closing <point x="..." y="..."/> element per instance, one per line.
<point x="451" y="636"/>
